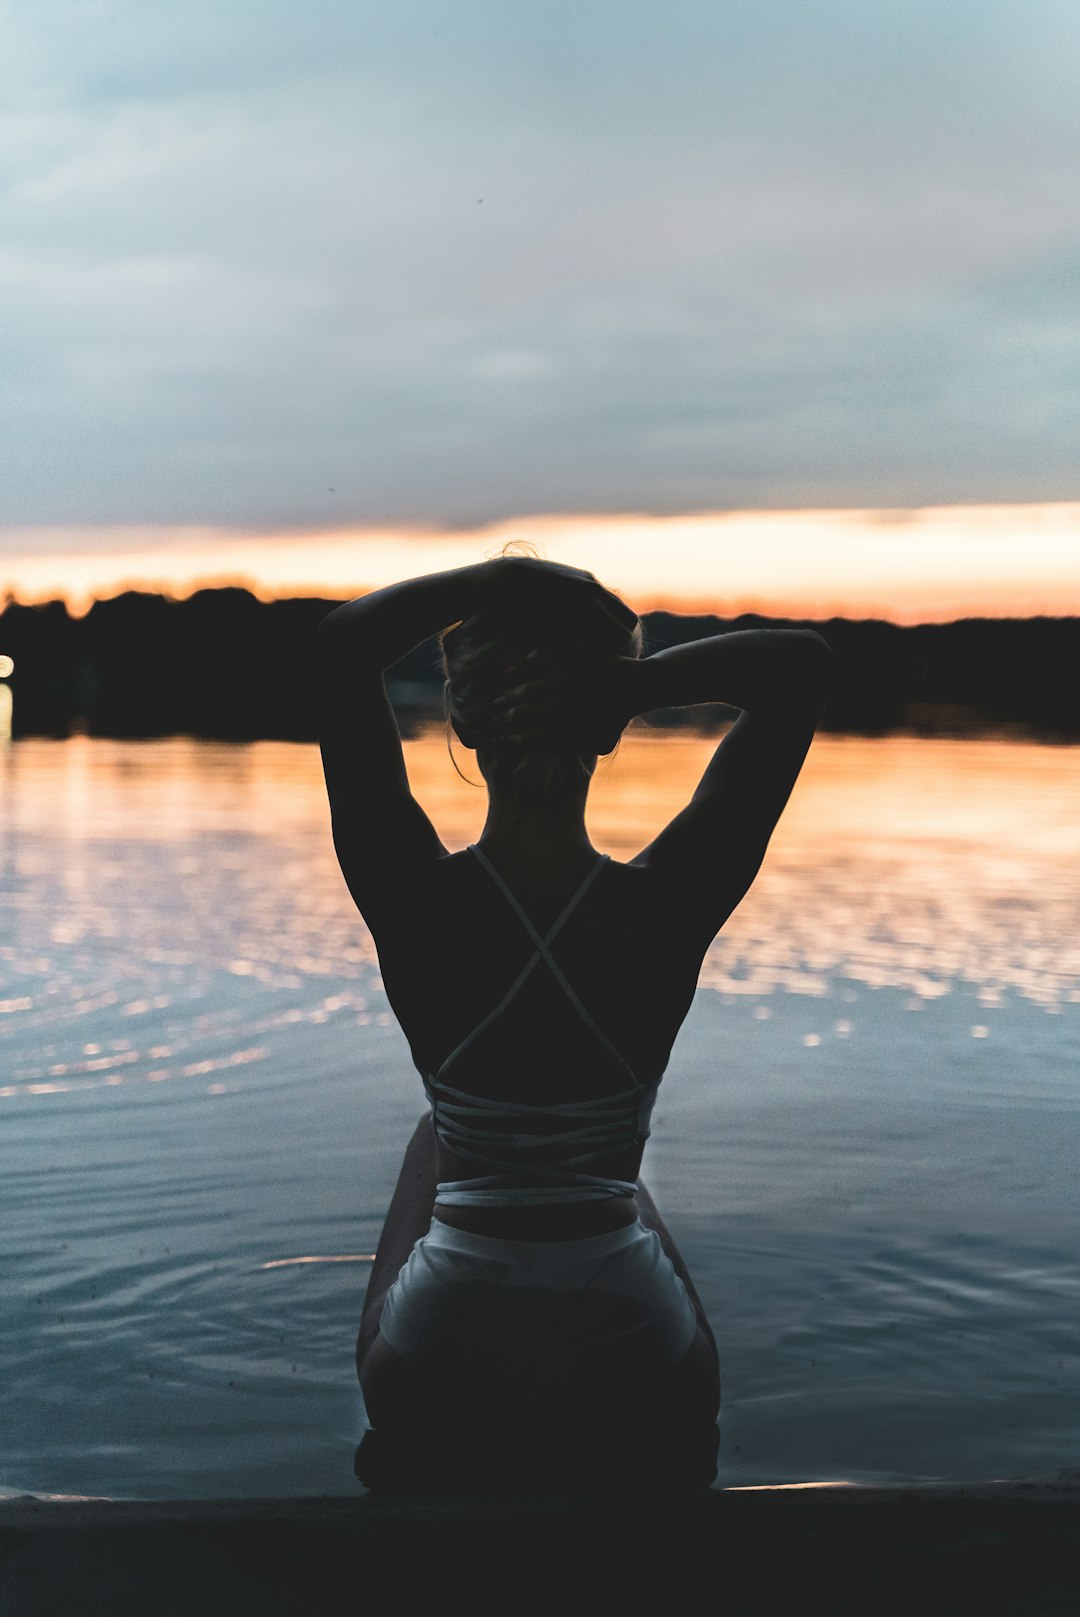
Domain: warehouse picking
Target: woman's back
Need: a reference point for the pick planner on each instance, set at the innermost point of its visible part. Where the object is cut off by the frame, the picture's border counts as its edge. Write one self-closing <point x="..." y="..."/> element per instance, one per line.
<point x="492" y="1013"/>
<point x="455" y="945"/>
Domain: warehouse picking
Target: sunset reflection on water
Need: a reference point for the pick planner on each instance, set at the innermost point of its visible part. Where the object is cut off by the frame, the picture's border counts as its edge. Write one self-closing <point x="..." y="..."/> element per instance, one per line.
<point x="132" y="872"/>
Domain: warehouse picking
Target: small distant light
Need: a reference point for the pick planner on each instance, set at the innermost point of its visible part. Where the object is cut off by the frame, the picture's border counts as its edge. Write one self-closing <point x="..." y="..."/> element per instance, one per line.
<point x="7" y="666"/>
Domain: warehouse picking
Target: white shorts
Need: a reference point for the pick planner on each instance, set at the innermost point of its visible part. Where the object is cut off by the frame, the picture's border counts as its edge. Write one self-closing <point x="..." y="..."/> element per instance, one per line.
<point x="555" y="1308"/>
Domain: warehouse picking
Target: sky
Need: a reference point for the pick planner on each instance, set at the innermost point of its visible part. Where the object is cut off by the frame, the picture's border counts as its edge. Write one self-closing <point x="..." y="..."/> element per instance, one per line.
<point x="752" y="300"/>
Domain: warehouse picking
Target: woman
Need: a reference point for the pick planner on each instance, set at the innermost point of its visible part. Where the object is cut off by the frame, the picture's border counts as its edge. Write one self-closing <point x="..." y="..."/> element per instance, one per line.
<point x="526" y="1297"/>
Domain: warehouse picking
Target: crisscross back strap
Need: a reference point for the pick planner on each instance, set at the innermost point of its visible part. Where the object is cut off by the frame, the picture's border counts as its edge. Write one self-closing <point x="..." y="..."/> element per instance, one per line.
<point x="543" y="952"/>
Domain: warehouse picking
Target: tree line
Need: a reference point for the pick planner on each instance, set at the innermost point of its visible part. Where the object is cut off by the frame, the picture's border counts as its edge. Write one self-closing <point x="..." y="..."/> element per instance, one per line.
<point x="223" y="664"/>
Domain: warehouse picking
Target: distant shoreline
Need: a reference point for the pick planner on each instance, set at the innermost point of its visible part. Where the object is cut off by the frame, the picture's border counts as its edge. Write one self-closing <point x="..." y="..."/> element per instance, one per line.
<point x="224" y="665"/>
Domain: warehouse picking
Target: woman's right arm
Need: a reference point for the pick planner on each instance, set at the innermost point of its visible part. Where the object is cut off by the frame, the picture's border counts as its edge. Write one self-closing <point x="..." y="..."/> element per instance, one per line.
<point x="713" y="848"/>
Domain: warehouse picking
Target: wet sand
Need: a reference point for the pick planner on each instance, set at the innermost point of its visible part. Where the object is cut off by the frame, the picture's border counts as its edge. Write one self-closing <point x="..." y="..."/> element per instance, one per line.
<point x="992" y="1548"/>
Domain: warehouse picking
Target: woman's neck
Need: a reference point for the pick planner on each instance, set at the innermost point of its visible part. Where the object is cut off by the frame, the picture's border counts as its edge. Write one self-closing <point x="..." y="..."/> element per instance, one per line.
<point x="548" y="834"/>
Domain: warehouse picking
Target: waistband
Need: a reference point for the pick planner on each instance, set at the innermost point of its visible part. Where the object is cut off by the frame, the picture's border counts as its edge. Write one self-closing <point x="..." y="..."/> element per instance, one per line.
<point x="535" y="1254"/>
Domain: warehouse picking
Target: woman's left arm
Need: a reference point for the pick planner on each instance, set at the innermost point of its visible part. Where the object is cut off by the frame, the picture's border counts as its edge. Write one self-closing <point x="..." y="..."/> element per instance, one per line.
<point x="381" y="834"/>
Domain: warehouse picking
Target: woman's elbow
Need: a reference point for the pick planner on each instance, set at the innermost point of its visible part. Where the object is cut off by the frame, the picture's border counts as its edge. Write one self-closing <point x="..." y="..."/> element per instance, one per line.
<point x="815" y="655"/>
<point x="813" y="666"/>
<point x="816" y="644"/>
<point x="806" y="652"/>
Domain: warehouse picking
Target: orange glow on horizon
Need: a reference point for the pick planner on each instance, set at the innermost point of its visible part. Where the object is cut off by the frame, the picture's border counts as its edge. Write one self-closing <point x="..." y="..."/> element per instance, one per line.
<point x="931" y="564"/>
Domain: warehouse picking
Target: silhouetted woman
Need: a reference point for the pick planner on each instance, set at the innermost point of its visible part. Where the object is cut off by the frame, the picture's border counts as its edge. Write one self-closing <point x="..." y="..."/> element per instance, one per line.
<point x="526" y="1298"/>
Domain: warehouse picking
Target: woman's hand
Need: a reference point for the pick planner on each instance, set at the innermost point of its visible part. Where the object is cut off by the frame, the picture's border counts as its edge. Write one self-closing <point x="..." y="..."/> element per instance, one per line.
<point x="564" y="603"/>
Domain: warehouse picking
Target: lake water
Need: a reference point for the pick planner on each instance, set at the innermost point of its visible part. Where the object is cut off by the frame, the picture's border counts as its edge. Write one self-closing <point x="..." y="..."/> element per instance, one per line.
<point x="866" y="1144"/>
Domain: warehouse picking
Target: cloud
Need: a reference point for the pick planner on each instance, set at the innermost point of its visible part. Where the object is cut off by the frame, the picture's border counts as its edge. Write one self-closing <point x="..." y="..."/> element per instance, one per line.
<point x="444" y="263"/>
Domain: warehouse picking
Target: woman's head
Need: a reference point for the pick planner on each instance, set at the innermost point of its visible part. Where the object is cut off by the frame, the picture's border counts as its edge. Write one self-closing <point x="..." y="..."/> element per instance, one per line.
<point x="478" y="655"/>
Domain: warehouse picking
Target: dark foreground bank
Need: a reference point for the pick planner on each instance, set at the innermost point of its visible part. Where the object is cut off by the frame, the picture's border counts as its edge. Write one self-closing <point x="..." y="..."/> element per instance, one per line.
<point x="990" y="1549"/>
